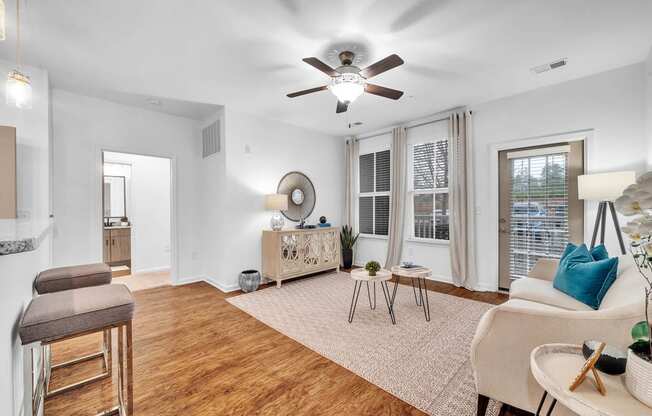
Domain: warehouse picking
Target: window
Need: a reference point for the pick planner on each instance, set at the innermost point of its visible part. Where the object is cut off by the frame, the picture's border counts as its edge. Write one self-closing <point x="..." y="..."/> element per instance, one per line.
<point x="373" y="199"/>
<point x="430" y="190"/>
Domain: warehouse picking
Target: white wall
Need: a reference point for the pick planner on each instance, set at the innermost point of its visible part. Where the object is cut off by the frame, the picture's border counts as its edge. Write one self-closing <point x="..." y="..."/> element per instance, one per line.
<point x="17" y="271"/>
<point x="83" y="127"/>
<point x="256" y="153"/>
<point x="648" y="106"/>
<point x="611" y="104"/>
<point x="148" y="209"/>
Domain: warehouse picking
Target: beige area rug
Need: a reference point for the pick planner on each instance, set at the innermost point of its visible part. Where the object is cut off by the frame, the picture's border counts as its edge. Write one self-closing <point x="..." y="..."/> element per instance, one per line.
<point x="425" y="364"/>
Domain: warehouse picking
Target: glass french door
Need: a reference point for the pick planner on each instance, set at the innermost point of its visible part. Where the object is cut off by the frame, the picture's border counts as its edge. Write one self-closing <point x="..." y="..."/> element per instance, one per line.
<point x="539" y="209"/>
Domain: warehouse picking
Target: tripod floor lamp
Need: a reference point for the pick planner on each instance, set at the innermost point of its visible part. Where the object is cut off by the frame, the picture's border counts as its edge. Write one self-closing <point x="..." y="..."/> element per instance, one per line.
<point x="605" y="188"/>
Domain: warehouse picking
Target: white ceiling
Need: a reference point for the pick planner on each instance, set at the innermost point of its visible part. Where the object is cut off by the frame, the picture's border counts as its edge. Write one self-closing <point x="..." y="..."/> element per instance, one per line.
<point x="247" y="53"/>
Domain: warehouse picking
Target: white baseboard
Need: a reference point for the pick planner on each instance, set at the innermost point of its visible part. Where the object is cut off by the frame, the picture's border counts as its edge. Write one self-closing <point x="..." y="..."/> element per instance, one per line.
<point x="222" y="287"/>
<point x="152" y="270"/>
<point x="188" y="280"/>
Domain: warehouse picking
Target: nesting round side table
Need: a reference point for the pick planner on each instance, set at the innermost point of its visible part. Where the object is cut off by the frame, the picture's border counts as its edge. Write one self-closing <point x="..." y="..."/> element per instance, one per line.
<point x="420" y="274"/>
<point x="554" y="366"/>
<point x="361" y="276"/>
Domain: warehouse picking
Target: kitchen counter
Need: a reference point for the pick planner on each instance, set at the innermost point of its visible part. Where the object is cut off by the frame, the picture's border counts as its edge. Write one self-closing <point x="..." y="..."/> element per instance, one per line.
<point x="116" y="227"/>
<point x="21" y="235"/>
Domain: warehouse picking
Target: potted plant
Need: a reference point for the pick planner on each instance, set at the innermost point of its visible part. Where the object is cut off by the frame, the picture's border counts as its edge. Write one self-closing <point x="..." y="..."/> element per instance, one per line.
<point x="372" y="267"/>
<point x="347" y="240"/>
<point x="637" y="201"/>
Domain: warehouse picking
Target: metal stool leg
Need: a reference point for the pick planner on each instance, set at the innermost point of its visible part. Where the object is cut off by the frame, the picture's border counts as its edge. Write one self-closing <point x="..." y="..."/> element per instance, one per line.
<point x="543" y="400"/>
<point x="388" y="300"/>
<point x="354" y="299"/>
<point x="552" y="406"/>
<point x="369" y="296"/>
<point x="395" y="289"/>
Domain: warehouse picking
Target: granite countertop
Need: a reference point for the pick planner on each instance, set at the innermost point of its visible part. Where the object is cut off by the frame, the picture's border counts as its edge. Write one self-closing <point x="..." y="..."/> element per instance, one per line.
<point x="21" y="235"/>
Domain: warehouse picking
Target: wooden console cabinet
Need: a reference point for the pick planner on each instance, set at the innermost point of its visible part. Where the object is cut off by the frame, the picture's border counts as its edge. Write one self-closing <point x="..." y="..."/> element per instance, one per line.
<point x="293" y="253"/>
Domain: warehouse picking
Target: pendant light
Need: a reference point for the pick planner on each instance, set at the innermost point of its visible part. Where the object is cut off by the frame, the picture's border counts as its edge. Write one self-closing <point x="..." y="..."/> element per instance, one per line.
<point x="19" y="86"/>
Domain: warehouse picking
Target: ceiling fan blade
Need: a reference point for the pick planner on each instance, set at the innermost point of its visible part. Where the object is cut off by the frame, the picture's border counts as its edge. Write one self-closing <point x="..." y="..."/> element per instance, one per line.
<point x="341" y="107"/>
<point x="321" y="66"/>
<point x="392" y="61"/>
<point x="309" y="91"/>
<point x="383" y="91"/>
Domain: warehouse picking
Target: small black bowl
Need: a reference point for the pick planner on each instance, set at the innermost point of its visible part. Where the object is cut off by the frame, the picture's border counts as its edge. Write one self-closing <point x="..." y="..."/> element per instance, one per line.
<point x="612" y="360"/>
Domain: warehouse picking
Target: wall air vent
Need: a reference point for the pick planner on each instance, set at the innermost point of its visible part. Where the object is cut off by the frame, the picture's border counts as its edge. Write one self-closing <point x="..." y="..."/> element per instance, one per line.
<point x="210" y="137"/>
<point x="552" y="65"/>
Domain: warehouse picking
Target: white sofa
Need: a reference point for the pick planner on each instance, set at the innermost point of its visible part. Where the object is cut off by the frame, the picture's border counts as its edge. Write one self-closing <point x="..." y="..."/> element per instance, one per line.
<point x="536" y="314"/>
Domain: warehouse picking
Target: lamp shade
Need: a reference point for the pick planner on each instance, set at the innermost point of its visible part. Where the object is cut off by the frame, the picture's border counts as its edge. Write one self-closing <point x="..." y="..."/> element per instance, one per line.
<point x="276" y="202"/>
<point x="604" y="186"/>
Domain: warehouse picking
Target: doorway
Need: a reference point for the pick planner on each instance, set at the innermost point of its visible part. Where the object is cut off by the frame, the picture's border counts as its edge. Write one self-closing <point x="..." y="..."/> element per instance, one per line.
<point x="539" y="212"/>
<point x="136" y="220"/>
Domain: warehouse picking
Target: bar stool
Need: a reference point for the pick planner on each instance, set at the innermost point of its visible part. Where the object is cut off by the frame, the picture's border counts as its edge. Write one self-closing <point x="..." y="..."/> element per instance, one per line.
<point x="66" y="278"/>
<point x="68" y="314"/>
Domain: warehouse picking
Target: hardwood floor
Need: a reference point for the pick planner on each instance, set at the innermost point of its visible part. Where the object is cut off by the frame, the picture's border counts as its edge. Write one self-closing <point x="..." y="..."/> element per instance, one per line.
<point x="195" y="354"/>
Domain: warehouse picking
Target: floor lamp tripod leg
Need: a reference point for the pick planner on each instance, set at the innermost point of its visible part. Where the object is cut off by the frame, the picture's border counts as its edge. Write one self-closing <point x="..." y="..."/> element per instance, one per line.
<point x="604" y="221"/>
<point x="597" y="224"/>
<point x="617" y="225"/>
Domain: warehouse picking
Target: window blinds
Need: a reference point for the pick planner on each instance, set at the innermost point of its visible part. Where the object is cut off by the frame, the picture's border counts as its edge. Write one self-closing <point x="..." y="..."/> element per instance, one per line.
<point x="373" y="204"/>
<point x="538" y="194"/>
<point x="430" y="181"/>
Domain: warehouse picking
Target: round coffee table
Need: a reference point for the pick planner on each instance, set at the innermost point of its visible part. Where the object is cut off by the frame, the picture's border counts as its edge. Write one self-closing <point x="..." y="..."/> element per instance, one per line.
<point x="360" y="276"/>
<point x="420" y="274"/>
<point x="554" y="366"/>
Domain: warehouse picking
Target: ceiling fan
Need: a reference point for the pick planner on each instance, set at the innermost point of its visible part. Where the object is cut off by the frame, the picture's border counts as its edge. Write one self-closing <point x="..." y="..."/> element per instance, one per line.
<point x="348" y="81"/>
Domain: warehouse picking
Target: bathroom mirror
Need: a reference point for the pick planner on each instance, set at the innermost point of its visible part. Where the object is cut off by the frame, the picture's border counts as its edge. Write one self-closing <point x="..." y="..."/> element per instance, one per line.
<point x="115" y="197"/>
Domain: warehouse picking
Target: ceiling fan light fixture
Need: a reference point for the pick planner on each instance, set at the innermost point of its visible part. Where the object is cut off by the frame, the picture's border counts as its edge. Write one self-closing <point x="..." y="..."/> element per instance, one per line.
<point x="347" y="87"/>
<point x="19" y="90"/>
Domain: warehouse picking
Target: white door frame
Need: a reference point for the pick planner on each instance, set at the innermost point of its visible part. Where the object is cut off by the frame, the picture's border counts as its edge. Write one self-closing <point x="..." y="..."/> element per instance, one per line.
<point x="494" y="197"/>
<point x="174" y="246"/>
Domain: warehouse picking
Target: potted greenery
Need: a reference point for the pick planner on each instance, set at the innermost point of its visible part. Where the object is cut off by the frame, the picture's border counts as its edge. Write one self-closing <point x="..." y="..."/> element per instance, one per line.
<point x="637" y="201"/>
<point x="372" y="267"/>
<point x="347" y="240"/>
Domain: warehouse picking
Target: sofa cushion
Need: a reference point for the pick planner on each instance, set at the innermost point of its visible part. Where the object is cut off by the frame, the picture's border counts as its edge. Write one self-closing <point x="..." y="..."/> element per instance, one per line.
<point x="579" y="275"/>
<point x="542" y="291"/>
<point x="72" y="277"/>
<point x="57" y="315"/>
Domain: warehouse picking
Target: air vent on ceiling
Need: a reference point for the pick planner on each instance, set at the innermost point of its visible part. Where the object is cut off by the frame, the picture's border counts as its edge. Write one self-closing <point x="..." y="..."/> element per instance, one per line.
<point x="210" y="137"/>
<point x="552" y="65"/>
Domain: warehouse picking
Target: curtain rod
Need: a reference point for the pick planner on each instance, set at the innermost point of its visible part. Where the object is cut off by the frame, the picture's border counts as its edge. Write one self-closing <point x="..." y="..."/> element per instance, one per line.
<point x="407" y="128"/>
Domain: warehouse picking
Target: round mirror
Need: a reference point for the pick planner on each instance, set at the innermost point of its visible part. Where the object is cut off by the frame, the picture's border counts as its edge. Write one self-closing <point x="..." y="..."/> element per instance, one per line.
<point x="297" y="196"/>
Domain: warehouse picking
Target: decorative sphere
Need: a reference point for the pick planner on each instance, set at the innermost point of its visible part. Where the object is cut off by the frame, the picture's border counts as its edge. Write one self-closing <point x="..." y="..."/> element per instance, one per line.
<point x="322" y="219"/>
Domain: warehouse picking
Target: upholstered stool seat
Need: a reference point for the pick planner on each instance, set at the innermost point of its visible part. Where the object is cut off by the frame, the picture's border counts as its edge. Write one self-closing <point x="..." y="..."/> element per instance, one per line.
<point x="72" y="277"/>
<point x="57" y="316"/>
<point x="61" y="314"/>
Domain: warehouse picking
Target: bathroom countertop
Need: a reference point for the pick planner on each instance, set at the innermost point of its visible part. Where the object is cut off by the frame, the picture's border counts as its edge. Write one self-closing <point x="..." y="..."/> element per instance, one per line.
<point x="21" y="235"/>
<point x="116" y="227"/>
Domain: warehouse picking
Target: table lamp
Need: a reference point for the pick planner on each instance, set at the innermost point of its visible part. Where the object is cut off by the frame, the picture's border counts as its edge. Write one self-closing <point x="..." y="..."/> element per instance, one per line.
<point x="276" y="203"/>
<point x="605" y="188"/>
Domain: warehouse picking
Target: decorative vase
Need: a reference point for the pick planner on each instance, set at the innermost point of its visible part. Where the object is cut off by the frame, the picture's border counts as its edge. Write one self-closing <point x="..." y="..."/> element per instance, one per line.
<point x="249" y="280"/>
<point x="347" y="257"/>
<point x="372" y="273"/>
<point x="638" y="378"/>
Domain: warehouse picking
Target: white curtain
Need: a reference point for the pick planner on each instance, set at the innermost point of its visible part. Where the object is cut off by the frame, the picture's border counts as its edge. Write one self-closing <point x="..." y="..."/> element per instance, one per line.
<point x="397" y="199"/>
<point x="461" y="201"/>
<point x="351" y="158"/>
